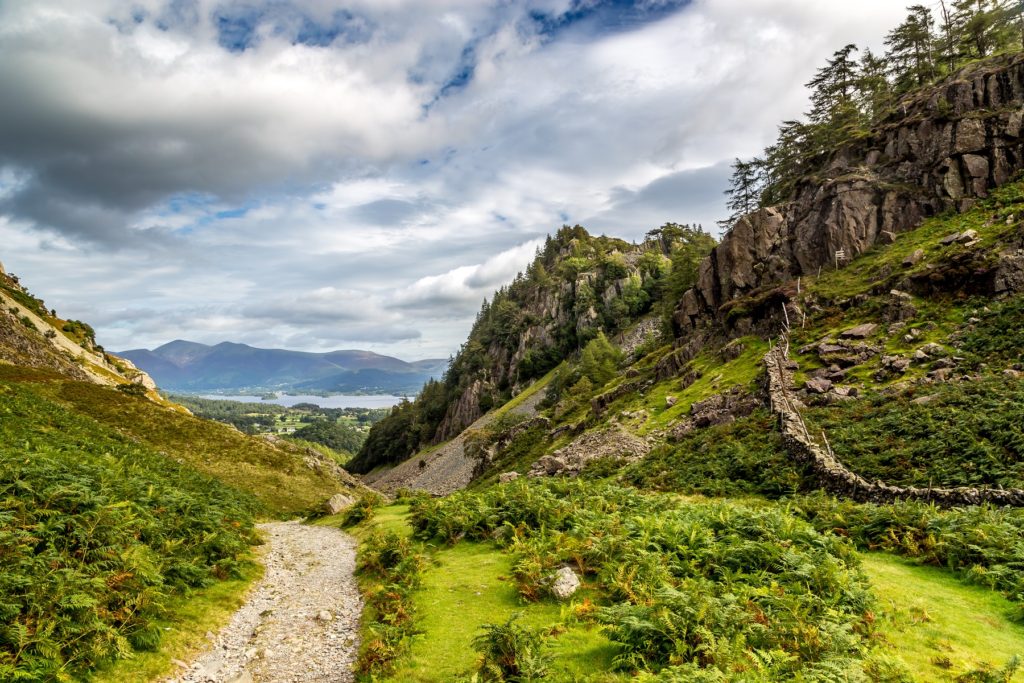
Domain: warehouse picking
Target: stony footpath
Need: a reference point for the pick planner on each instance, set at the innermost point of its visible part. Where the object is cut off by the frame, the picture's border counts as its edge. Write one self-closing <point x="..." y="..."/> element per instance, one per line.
<point x="301" y="622"/>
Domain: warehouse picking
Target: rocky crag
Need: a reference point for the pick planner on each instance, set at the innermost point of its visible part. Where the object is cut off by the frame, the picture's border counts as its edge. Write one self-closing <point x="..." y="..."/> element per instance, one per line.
<point x="33" y="336"/>
<point x="941" y="149"/>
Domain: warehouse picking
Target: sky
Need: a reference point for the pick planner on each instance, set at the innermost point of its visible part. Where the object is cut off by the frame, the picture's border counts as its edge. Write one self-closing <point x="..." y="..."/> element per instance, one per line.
<point x="320" y="175"/>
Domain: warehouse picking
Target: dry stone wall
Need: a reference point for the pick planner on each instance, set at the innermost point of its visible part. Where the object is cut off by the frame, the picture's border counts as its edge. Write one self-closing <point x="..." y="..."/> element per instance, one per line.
<point x="830" y="472"/>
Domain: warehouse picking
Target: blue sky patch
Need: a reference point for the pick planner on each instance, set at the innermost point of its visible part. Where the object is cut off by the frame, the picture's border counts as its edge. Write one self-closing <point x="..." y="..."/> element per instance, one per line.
<point x="603" y="16"/>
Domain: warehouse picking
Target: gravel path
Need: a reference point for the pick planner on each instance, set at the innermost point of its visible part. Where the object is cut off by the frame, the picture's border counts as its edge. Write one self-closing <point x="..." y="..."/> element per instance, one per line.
<point x="301" y="622"/>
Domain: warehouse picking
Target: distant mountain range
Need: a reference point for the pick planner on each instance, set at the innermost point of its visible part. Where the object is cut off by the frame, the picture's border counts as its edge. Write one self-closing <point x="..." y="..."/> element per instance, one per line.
<point x="192" y="367"/>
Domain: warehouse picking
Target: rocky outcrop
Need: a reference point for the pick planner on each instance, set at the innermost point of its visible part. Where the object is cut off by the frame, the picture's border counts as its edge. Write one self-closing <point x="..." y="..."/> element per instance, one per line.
<point x="463" y="412"/>
<point x="943" y="149"/>
<point x="723" y="408"/>
<point x="32" y="336"/>
<point x="613" y="442"/>
<point x="830" y="472"/>
<point x="337" y="503"/>
<point x="453" y="465"/>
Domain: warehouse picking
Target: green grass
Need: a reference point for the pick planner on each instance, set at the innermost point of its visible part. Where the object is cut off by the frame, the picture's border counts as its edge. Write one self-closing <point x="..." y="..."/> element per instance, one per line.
<point x="938" y="626"/>
<point x="189" y="618"/>
<point x="526" y="393"/>
<point x="469" y="586"/>
<point x="715" y="377"/>
<point x="466" y="586"/>
<point x="278" y="478"/>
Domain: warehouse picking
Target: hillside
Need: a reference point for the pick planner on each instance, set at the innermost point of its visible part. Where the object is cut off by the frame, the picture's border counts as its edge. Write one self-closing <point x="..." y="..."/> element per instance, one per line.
<point x="801" y="419"/>
<point x="578" y="288"/>
<point x="31" y="335"/>
<point x="116" y="506"/>
<point x="188" y="366"/>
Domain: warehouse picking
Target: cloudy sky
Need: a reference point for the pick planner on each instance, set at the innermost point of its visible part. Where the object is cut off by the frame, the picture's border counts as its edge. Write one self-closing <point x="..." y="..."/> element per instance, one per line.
<point x="319" y="174"/>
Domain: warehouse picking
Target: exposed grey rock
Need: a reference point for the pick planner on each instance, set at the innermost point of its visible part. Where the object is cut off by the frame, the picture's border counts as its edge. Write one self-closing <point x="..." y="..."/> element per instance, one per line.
<point x="818" y="385"/>
<point x="338" y="503"/>
<point x="860" y="331"/>
<point x="719" y="409"/>
<point x="925" y="400"/>
<point x="610" y="442"/>
<point x="886" y="237"/>
<point x="949" y="239"/>
<point x="967" y="236"/>
<point x="506" y="477"/>
<point x="564" y="583"/>
<point x="1009" y="276"/>
<point x="896" y="364"/>
<point x="670" y="401"/>
<point x="913" y="258"/>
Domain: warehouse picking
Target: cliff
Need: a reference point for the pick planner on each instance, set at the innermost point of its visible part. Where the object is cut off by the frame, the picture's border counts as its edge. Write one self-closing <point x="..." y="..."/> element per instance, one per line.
<point x="941" y="149"/>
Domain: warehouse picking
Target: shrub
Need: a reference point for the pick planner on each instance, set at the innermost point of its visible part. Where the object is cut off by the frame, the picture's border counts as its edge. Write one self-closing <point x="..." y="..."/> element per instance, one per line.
<point x="717" y="583"/>
<point x="510" y="652"/>
<point x="363" y="510"/>
<point x="982" y="545"/>
<point x="132" y="389"/>
<point x="391" y="569"/>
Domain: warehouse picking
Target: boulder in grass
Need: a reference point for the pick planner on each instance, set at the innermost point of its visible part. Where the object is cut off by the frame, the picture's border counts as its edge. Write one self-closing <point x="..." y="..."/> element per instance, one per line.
<point x="860" y="331"/>
<point x="818" y="385"/>
<point x="338" y="503"/>
<point x="564" y="583"/>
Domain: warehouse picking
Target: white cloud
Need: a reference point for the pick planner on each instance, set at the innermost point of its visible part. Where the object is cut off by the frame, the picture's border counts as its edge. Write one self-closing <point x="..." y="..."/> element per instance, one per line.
<point x="163" y="186"/>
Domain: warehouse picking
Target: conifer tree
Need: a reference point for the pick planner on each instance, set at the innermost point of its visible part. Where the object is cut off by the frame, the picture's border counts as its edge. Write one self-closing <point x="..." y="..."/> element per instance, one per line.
<point x="744" y="191"/>
<point x="833" y="86"/>
<point x="910" y="54"/>
<point x="981" y="26"/>
<point x="873" y="89"/>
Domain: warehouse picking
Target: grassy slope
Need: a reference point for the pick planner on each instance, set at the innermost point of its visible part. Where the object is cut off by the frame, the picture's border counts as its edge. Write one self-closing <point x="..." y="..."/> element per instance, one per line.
<point x="278" y="479"/>
<point x="185" y="627"/>
<point x="937" y="625"/>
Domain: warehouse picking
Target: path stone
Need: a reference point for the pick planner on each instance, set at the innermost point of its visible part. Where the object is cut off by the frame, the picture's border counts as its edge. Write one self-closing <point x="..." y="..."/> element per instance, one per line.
<point x="279" y="635"/>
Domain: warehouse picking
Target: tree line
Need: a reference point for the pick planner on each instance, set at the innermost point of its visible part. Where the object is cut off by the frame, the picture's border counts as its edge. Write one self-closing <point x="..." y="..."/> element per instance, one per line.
<point x="857" y="88"/>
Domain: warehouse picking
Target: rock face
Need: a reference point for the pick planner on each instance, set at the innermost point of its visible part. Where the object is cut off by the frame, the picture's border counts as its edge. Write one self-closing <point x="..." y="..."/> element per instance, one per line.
<point x="32" y="336"/>
<point x="943" y="149"/>
<point x="582" y="301"/>
<point x="719" y="409"/>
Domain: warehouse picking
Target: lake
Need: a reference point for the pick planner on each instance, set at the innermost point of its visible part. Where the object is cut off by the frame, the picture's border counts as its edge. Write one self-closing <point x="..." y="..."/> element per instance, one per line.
<point x="335" y="401"/>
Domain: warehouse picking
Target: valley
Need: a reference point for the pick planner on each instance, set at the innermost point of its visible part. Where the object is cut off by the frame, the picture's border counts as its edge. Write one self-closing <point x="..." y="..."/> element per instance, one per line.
<point x="788" y="450"/>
